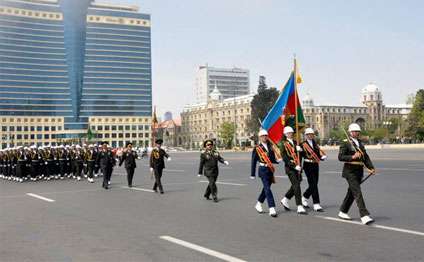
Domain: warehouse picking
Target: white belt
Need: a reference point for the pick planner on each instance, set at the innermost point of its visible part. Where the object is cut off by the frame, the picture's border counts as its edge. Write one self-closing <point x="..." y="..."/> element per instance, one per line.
<point x="309" y="160"/>
<point x="262" y="164"/>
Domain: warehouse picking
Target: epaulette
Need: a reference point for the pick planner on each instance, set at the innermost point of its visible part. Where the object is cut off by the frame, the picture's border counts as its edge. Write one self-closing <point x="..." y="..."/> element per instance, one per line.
<point x="344" y="140"/>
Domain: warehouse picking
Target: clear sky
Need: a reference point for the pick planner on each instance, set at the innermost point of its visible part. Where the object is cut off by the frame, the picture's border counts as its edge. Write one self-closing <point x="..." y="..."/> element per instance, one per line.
<point x="340" y="45"/>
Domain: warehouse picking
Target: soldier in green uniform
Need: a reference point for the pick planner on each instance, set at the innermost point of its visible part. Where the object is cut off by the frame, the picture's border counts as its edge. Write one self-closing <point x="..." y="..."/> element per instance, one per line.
<point x="209" y="159"/>
<point x="352" y="153"/>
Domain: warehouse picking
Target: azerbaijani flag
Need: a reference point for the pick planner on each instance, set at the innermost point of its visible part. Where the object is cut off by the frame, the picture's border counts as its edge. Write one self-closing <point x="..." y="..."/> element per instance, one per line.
<point x="284" y="111"/>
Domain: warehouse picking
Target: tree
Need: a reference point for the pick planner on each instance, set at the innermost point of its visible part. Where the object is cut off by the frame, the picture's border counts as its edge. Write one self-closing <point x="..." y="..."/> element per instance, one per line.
<point x="226" y="133"/>
<point x="410" y="99"/>
<point x="416" y="117"/>
<point x="261" y="104"/>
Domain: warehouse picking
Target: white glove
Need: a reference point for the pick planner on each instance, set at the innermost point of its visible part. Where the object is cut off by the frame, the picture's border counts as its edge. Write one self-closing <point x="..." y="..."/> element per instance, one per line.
<point x="151" y="169"/>
<point x="298" y="168"/>
<point x="226" y="163"/>
<point x="279" y="160"/>
<point x="252" y="177"/>
<point x="199" y="175"/>
<point x="169" y="159"/>
<point x="324" y="157"/>
<point x="45" y="163"/>
<point x="298" y="148"/>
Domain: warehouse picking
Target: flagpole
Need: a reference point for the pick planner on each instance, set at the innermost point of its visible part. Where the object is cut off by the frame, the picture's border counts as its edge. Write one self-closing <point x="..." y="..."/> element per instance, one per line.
<point x="295" y="104"/>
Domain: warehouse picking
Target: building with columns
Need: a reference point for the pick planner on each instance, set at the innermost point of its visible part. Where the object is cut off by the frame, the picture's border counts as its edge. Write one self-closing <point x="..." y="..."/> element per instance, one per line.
<point x="373" y="113"/>
<point x="202" y="121"/>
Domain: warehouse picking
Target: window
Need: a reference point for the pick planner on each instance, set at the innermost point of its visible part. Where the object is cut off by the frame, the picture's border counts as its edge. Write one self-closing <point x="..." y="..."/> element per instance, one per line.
<point x="127" y="127"/>
<point x="32" y="136"/>
<point x="59" y="128"/>
<point x="140" y="127"/>
<point x="39" y="128"/>
<point x="46" y="128"/>
<point x="133" y="127"/>
<point x="32" y="128"/>
<point x="107" y="128"/>
<point x="100" y="135"/>
<point x="107" y="135"/>
<point x="19" y="137"/>
<point x="121" y="135"/>
<point x="19" y="128"/>
<point x="134" y="135"/>
<point x="100" y="128"/>
<point x="113" y="128"/>
<point x="39" y="136"/>
<point x="25" y="128"/>
<point x="121" y="128"/>
<point x="127" y="135"/>
<point x="46" y="136"/>
<point x="53" y="128"/>
<point x="114" y="135"/>
<point x="4" y="128"/>
<point x="140" y="135"/>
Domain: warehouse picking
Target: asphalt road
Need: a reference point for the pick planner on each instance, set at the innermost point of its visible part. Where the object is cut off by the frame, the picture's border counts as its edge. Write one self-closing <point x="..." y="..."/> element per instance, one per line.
<point x="79" y="221"/>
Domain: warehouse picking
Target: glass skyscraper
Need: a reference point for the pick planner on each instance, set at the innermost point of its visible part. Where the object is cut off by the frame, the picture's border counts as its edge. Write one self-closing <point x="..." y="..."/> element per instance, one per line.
<point x="77" y="64"/>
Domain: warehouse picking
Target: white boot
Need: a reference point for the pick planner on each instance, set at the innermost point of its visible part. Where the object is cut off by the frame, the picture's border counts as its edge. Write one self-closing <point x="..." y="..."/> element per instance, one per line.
<point x="305" y="202"/>
<point x="258" y="207"/>
<point x="285" y="203"/>
<point x="318" y="208"/>
<point x="366" y="220"/>
<point x="301" y="210"/>
<point x="344" y="216"/>
<point x="272" y="212"/>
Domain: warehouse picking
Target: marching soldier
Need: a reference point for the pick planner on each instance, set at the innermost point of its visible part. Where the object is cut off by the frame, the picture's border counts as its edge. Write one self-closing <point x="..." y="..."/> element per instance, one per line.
<point x="35" y="163"/>
<point x="1" y="164"/>
<point x="78" y="162"/>
<point x="90" y="161"/>
<point x="157" y="164"/>
<point x="265" y="153"/>
<point x="293" y="170"/>
<point x="209" y="159"/>
<point x="311" y="155"/>
<point x="49" y="164"/>
<point x="62" y="156"/>
<point x="352" y="153"/>
<point x="106" y="161"/>
<point x="129" y="156"/>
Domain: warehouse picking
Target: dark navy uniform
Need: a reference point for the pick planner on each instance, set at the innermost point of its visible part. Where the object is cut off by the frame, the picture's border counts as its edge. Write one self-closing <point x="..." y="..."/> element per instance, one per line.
<point x="311" y="156"/>
<point x="264" y="172"/>
<point x="129" y="158"/>
<point x="157" y="164"/>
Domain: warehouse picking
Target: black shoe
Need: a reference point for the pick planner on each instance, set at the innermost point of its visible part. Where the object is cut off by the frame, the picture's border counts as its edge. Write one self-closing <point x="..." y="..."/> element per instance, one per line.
<point x="154" y="189"/>
<point x="161" y="192"/>
<point x="215" y="199"/>
<point x="106" y="187"/>
<point x="207" y="197"/>
<point x="129" y="185"/>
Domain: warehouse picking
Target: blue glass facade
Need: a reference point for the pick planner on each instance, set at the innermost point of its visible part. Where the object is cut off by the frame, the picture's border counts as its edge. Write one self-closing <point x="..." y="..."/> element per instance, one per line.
<point x="75" y="59"/>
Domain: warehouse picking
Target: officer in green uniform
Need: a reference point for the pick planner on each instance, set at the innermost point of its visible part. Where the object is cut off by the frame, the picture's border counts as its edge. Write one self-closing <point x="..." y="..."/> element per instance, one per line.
<point x="352" y="153"/>
<point x="209" y="159"/>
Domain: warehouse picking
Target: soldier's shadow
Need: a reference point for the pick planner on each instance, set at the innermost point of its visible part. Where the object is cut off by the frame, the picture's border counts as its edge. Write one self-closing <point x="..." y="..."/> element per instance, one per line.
<point x="220" y="199"/>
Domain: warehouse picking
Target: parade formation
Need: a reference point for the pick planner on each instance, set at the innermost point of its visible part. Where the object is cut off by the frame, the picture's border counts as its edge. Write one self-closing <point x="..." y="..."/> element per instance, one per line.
<point x="90" y="161"/>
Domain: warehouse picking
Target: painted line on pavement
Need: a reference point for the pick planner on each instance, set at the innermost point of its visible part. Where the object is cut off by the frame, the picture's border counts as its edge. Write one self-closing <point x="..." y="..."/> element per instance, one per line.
<point x="138" y="189"/>
<point x="174" y="170"/>
<point x="201" y="249"/>
<point x="40" y="197"/>
<point x="413" y="232"/>
<point x="224" y="183"/>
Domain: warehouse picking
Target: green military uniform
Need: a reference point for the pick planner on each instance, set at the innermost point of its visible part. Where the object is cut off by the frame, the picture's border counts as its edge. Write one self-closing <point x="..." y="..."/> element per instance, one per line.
<point x="353" y="172"/>
<point x="208" y="167"/>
